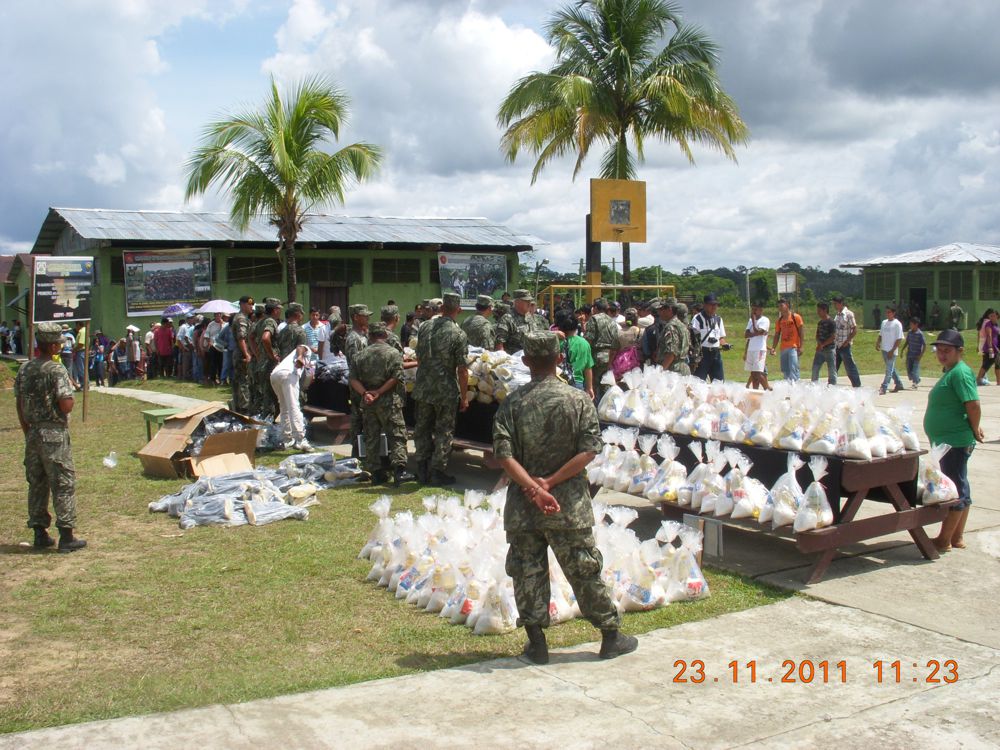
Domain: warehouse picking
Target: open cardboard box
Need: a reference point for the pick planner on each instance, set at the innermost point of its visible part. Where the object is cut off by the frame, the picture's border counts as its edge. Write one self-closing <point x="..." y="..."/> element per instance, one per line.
<point x="166" y="455"/>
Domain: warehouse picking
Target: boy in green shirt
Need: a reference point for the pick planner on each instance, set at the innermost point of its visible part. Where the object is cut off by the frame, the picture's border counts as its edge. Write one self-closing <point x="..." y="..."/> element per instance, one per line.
<point x="577" y="350"/>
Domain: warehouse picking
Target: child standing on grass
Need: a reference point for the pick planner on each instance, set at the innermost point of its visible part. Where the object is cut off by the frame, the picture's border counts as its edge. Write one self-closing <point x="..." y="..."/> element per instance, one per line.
<point x="914" y="344"/>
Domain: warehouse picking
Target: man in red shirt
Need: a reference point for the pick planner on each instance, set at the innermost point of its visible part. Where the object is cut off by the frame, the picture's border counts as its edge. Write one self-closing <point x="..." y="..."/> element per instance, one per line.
<point x="163" y="340"/>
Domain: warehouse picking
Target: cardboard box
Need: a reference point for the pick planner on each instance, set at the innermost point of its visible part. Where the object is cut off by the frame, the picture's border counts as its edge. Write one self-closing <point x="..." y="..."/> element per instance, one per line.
<point x="166" y="455"/>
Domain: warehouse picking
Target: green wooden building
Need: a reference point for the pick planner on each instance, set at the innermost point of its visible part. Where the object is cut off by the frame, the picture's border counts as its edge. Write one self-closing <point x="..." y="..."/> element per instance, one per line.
<point x="967" y="273"/>
<point x="341" y="260"/>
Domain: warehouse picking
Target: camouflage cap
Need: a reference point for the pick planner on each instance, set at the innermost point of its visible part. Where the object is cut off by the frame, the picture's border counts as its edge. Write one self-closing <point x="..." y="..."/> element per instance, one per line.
<point x="682" y="310"/>
<point x="272" y="301"/>
<point x="295" y="307"/>
<point x="654" y="304"/>
<point x="484" y="300"/>
<point x="49" y="333"/>
<point x="377" y="329"/>
<point x="359" y="310"/>
<point x="425" y="303"/>
<point x="452" y="299"/>
<point x="501" y="308"/>
<point x="522" y="294"/>
<point x="541" y="344"/>
<point x="389" y="312"/>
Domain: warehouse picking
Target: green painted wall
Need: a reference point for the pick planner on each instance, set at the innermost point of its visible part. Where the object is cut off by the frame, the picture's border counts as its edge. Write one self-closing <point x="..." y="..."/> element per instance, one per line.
<point x="901" y="275"/>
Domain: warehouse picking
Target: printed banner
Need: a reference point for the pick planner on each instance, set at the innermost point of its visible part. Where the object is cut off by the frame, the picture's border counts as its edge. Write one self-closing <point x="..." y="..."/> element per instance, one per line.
<point x="472" y="274"/>
<point x="156" y="279"/>
<point x="62" y="289"/>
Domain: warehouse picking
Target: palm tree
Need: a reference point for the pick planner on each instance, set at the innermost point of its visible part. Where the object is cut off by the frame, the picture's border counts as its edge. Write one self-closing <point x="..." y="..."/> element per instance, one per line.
<point x="271" y="162"/>
<point x="617" y="81"/>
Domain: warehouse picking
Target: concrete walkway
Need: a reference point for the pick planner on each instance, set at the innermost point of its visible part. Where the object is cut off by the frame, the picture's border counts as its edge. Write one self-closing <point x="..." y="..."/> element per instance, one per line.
<point x="151" y="397"/>
<point x="879" y="602"/>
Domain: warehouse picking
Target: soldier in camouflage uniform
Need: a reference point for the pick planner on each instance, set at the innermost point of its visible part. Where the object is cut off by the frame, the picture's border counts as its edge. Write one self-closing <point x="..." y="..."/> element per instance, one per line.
<point x="440" y="391"/>
<point x="512" y="328"/>
<point x="500" y="311"/>
<point x="293" y="334"/>
<point x="375" y="379"/>
<point x="265" y="345"/>
<point x="673" y="340"/>
<point x="44" y="397"/>
<point x="544" y="434"/>
<point x="602" y="332"/>
<point x="356" y="340"/>
<point x="478" y="328"/>
<point x="242" y="357"/>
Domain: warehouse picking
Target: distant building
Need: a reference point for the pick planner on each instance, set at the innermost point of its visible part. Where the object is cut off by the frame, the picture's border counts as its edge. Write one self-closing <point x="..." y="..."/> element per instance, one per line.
<point x="341" y="260"/>
<point x="965" y="272"/>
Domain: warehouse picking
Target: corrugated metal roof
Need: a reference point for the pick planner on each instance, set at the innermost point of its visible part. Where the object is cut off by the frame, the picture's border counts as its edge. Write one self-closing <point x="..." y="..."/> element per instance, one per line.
<point x="190" y="227"/>
<point x="956" y="252"/>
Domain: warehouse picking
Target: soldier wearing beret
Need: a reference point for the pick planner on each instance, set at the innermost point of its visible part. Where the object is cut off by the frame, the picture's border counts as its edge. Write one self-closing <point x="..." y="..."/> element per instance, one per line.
<point x="440" y="391"/>
<point x="44" y="396"/>
<point x="478" y="328"/>
<point x="265" y="332"/>
<point x="354" y="343"/>
<point x="375" y="378"/>
<point x="548" y="501"/>
<point x="293" y="334"/>
<point x="243" y="356"/>
<point x="512" y="328"/>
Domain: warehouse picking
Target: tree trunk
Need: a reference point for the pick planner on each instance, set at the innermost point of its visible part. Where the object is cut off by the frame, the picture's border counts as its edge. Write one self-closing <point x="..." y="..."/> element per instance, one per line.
<point x="291" y="276"/>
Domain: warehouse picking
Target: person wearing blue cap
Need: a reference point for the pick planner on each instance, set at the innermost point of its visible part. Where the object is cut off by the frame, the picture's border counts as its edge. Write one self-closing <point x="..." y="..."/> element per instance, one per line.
<point x="710" y="331"/>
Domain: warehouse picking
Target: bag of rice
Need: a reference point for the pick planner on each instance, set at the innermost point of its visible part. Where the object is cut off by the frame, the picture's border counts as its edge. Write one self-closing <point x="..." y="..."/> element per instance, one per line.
<point x="712" y="483"/>
<point x="787" y="494"/>
<point x="671" y="474"/>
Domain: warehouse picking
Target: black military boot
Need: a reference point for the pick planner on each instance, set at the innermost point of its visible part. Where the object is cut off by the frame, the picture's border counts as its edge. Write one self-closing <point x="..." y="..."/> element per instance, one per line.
<point x="536" y="649"/>
<point x="400" y="475"/>
<point x="69" y="543"/>
<point x="614" y="643"/>
<point x="42" y="538"/>
<point x="423" y="472"/>
<point x="440" y="479"/>
<point x="379" y="477"/>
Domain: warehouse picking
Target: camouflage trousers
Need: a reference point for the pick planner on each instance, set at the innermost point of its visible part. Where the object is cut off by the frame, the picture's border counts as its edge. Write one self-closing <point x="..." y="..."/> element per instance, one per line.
<point x="241" y="384"/>
<point x="385" y="415"/>
<point x="48" y="467"/>
<point x="581" y="562"/>
<point x="433" y="432"/>
<point x="602" y="363"/>
<point x="357" y="420"/>
<point x="263" y="401"/>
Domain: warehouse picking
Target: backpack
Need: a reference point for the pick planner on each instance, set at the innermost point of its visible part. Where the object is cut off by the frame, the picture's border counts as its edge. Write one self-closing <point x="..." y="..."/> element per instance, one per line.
<point x="566" y="367"/>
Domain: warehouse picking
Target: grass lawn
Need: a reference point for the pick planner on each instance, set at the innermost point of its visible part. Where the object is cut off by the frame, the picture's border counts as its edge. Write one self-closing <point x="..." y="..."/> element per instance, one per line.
<point x="150" y="618"/>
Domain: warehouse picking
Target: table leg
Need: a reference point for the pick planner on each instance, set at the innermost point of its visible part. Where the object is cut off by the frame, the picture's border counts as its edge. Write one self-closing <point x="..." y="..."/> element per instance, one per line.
<point x="920" y="538"/>
<point x="847" y="515"/>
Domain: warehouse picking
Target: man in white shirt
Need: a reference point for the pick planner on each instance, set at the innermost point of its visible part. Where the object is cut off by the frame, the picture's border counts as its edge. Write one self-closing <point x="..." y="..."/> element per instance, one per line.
<point x="755" y="356"/>
<point x="890" y="337"/>
<point x="710" y="332"/>
<point x="184" y="343"/>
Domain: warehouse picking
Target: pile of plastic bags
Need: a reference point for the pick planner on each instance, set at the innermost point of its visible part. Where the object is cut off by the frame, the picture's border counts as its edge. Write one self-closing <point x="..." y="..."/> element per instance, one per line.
<point x="260" y="496"/>
<point x="720" y="483"/>
<point x="796" y="416"/>
<point x="494" y="375"/>
<point x="450" y="561"/>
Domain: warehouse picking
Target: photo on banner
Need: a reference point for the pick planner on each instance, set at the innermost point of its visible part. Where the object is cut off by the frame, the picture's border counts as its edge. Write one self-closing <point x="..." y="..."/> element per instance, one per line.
<point x="62" y="289"/>
<point x="156" y="279"/>
<point x="471" y="274"/>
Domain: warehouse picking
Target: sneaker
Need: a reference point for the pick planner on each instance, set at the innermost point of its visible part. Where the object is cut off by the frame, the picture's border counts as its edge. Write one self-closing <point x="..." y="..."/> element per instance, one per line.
<point x="897" y="389"/>
<point x="881" y="391"/>
<point x="303" y="446"/>
<point x="983" y="381"/>
<point x="914" y="386"/>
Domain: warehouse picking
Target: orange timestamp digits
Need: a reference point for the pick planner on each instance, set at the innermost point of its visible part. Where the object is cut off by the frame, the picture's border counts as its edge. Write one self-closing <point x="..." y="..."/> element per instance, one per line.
<point x="810" y="671"/>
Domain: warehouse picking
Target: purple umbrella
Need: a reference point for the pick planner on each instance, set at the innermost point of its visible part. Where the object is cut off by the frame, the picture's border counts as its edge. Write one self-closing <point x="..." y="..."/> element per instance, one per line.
<point x="178" y="308"/>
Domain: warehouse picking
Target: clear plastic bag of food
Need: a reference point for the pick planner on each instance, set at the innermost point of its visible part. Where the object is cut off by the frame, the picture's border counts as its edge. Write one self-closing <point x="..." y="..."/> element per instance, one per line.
<point x="938" y="488"/>
<point x="855" y="442"/>
<point x="712" y="484"/>
<point x="647" y="466"/>
<point x="611" y="405"/>
<point x="736" y="487"/>
<point x="902" y="420"/>
<point x="787" y="494"/>
<point x="815" y="511"/>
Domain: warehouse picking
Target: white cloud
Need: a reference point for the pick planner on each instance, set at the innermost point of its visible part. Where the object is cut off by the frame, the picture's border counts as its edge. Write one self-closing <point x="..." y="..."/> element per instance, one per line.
<point x="107" y="169"/>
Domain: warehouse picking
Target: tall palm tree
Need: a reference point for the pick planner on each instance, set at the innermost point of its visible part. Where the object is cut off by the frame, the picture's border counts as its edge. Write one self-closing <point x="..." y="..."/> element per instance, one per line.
<point x="271" y="162"/>
<point x="625" y="71"/>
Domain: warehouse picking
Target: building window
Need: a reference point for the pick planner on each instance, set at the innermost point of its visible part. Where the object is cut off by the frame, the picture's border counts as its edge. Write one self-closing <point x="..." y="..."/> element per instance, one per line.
<point x="989" y="285"/>
<point x="955" y="284"/>
<point x="435" y="274"/>
<point x="880" y="285"/>
<point x="395" y="270"/>
<point x="117" y="266"/>
<point x="346" y="271"/>
<point x="244" y="270"/>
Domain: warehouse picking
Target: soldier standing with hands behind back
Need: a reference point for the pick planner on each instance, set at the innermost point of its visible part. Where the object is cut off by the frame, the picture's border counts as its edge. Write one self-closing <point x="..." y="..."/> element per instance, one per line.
<point x="548" y="502"/>
<point x="44" y="396"/>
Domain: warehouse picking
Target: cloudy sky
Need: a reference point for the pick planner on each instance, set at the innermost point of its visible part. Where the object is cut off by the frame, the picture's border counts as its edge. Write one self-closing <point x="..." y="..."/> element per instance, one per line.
<point x="874" y="123"/>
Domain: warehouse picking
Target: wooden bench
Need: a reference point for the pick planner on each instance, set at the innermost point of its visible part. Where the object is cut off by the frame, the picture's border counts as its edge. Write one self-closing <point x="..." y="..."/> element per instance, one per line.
<point x="157" y="417"/>
<point x="337" y="422"/>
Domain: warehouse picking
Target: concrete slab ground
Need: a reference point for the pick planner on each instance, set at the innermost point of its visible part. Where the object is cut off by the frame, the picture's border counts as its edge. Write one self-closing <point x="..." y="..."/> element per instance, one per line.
<point x="640" y="700"/>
